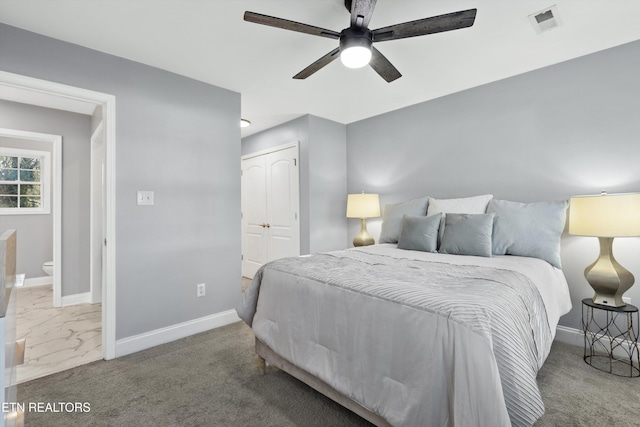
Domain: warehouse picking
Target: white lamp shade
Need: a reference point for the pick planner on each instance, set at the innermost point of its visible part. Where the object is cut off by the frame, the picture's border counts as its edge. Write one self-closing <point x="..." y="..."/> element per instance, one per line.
<point x="363" y="206"/>
<point x="606" y="215"/>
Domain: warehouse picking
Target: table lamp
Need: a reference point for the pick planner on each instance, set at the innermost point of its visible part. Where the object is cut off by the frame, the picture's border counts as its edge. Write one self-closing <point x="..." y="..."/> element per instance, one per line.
<point x="606" y="216"/>
<point x="363" y="206"/>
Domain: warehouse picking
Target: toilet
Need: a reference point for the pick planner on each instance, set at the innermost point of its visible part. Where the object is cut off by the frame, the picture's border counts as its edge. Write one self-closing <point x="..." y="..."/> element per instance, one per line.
<point x="47" y="267"/>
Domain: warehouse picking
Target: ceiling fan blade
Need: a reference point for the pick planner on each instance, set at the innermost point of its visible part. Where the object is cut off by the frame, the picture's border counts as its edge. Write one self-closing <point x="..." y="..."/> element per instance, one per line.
<point x="272" y="21"/>
<point x="421" y="27"/>
<point x="361" y="11"/>
<point x="325" y="60"/>
<point x="383" y="67"/>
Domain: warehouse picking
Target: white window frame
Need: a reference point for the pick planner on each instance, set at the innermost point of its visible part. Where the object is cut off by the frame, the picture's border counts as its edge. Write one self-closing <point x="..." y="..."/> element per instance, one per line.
<point x="45" y="180"/>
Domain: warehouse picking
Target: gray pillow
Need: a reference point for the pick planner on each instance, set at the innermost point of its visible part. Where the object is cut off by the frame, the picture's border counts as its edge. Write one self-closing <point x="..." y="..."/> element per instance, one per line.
<point x="528" y="229"/>
<point x="467" y="234"/>
<point x="393" y="214"/>
<point x="420" y="233"/>
<point x="463" y="205"/>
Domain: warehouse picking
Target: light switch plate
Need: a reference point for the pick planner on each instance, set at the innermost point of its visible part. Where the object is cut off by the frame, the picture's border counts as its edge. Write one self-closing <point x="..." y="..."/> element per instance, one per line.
<point x="145" y="198"/>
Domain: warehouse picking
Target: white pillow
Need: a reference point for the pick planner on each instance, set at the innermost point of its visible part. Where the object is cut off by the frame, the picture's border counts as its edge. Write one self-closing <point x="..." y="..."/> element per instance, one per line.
<point x="466" y="205"/>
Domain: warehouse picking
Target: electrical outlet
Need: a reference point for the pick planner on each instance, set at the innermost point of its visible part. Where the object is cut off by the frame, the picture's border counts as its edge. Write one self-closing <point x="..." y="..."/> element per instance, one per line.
<point x="627" y="300"/>
<point x="201" y="290"/>
<point x="145" y="198"/>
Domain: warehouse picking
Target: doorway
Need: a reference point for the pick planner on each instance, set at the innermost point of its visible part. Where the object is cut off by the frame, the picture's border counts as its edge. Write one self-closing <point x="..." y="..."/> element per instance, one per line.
<point x="27" y="90"/>
<point x="55" y="142"/>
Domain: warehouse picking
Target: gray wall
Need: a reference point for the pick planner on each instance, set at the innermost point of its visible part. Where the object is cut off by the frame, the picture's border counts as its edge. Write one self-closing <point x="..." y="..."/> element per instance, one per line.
<point x="322" y="177"/>
<point x="35" y="231"/>
<point x="175" y="136"/>
<point x="564" y="130"/>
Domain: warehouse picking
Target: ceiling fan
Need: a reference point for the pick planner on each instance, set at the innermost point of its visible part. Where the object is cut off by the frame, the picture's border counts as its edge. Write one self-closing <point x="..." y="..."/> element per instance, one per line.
<point x="356" y="41"/>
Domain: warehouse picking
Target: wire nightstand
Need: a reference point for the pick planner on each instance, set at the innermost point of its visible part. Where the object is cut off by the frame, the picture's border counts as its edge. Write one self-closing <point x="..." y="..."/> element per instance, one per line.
<point x="611" y="338"/>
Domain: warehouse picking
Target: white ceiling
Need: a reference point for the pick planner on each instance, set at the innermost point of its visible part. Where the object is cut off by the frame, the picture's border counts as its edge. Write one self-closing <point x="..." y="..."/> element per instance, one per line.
<point x="208" y="40"/>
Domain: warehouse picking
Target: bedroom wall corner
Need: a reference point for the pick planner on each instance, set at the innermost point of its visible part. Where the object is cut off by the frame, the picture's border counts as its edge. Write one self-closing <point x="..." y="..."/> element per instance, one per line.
<point x="323" y="177"/>
<point x="327" y="185"/>
<point x="293" y="130"/>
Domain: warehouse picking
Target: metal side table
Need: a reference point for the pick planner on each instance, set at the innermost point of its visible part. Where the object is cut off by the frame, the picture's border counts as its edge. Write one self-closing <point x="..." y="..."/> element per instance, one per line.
<point x="611" y="338"/>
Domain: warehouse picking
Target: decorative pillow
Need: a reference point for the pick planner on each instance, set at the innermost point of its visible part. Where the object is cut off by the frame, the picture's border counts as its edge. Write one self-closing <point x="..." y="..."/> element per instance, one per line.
<point x="528" y="229"/>
<point x="393" y="214"/>
<point x="467" y="234"/>
<point x="420" y="233"/>
<point x="466" y="205"/>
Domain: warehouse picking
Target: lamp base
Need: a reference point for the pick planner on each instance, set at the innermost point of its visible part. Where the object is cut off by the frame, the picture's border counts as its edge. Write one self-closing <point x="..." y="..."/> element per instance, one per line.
<point x="363" y="238"/>
<point x="607" y="277"/>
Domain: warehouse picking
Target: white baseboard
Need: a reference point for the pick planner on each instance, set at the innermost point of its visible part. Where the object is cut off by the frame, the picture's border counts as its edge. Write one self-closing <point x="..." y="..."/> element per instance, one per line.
<point x="576" y="337"/>
<point x="83" y="298"/>
<point x="570" y="336"/>
<point x="156" y="337"/>
<point x="38" y="281"/>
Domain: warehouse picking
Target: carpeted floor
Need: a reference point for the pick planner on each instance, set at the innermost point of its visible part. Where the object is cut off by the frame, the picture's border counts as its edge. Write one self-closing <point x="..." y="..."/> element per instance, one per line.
<point x="210" y="380"/>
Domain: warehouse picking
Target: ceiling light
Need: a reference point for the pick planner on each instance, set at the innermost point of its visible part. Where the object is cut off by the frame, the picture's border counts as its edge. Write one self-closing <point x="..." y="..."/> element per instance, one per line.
<point x="244" y="123"/>
<point x="355" y="57"/>
<point x="355" y="47"/>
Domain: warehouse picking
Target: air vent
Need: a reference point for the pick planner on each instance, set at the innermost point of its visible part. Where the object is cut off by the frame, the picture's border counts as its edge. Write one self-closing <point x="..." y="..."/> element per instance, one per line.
<point x="545" y="20"/>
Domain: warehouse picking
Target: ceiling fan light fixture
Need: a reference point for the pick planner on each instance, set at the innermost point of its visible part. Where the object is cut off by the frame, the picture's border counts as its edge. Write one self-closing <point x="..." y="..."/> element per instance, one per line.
<point x="356" y="42"/>
<point x="355" y="47"/>
<point x="355" y="57"/>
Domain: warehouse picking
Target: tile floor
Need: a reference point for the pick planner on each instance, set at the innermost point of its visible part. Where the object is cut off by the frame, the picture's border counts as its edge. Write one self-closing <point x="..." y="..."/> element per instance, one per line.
<point x="57" y="338"/>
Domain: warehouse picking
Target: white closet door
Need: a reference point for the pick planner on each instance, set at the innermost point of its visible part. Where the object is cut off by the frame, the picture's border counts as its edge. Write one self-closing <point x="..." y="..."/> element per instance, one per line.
<point x="270" y="208"/>
<point x="282" y="204"/>
<point x="254" y="215"/>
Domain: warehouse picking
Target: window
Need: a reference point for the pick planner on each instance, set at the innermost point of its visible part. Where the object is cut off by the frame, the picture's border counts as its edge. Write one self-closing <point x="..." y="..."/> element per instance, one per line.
<point x="24" y="181"/>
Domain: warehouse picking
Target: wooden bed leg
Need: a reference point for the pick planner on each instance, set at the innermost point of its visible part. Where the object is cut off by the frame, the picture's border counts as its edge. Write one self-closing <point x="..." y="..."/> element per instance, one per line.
<point x="260" y="363"/>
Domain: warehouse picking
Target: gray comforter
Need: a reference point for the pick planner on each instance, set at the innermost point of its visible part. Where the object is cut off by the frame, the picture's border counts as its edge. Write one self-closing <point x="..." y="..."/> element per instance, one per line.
<point x="422" y="343"/>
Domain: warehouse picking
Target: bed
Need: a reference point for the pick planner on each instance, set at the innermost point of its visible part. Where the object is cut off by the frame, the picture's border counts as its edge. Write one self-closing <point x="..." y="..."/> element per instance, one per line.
<point x="412" y="338"/>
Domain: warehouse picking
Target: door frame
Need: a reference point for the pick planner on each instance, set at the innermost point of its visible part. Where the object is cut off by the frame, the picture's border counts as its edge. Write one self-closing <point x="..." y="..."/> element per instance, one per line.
<point x="293" y="144"/>
<point x="96" y="219"/>
<point x="107" y="104"/>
